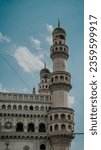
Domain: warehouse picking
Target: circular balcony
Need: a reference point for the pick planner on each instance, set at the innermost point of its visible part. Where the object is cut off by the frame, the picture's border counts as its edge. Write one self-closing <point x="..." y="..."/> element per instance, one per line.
<point x="61" y="121"/>
<point x="59" y="50"/>
<point x="60" y="79"/>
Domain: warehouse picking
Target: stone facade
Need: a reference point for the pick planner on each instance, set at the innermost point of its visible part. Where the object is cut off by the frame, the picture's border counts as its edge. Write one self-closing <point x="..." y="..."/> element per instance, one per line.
<point x="41" y="121"/>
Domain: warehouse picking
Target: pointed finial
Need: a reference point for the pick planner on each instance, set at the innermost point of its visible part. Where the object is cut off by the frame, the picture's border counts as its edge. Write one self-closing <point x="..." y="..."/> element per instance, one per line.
<point x="58" y="23"/>
<point x="44" y="64"/>
<point x="33" y="90"/>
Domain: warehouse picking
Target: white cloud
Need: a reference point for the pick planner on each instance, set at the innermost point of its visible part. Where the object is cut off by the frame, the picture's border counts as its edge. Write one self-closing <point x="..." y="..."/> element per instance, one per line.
<point x="4" y="38"/>
<point x="71" y="100"/>
<point x="49" y="27"/>
<point x="2" y="89"/>
<point x="49" y="40"/>
<point x="27" y="61"/>
<point x="36" y="43"/>
<point x="49" y="36"/>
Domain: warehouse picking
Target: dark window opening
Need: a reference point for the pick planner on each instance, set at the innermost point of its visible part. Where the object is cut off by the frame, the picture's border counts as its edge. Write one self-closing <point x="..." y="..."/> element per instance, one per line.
<point x="56" y="127"/>
<point x="36" y="108"/>
<point x="69" y="127"/>
<point x="62" y="116"/>
<point x="14" y="107"/>
<point x="56" y="78"/>
<point x="56" y="116"/>
<point x="3" y="107"/>
<point x="42" y="128"/>
<point x="50" y="128"/>
<point x="51" y="79"/>
<point x="42" y="108"/>
<point x="19" y="127"/>
<point x="50" y="117"/>
<point x="31" y="107"/>
<point x="25" y="107"/>
<point x="9" y="107"/>
<point x="42" y="147"/>
<point x="31" y="127"/>
<point x="63" y="127"/>
<point x="62" y="37"/>
<point x="61" y="78"/>
<point x="26" y="148"/>
<point x="20" y="107"/>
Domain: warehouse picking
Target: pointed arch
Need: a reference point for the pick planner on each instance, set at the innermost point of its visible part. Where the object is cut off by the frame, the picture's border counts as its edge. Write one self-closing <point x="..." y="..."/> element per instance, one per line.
<point x="42" y="127"/>
<point x="19" y="127"/>
<point x="31" y="127"/>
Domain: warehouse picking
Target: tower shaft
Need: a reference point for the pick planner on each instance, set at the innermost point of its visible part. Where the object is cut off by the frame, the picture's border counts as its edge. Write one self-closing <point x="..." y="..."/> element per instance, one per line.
<point x="60" y="117"/>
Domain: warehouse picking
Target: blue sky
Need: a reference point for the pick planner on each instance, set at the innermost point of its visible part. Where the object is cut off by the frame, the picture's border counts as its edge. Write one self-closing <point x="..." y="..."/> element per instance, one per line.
<point x="25" y="39"/>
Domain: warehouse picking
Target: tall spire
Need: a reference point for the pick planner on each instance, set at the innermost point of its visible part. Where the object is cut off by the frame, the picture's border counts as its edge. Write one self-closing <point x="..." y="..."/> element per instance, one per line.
<point x="58" y="23"/>
<point x="44" y="64"/>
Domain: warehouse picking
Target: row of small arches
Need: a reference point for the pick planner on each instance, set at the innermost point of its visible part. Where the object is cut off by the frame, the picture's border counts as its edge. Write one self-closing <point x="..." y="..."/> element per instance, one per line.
<point x="22" y="115"/>
<point x="62" y="127"/>
<point x="61" y="116"/>
<point x="62" y="78"/>
<point x="44" y="86"/>
<point x="59" y="42"/>
<point x="59" y="49"/>
<point x="20" y="107"/>
<point x="31" y="127"/>
<point x="23" y="137"/>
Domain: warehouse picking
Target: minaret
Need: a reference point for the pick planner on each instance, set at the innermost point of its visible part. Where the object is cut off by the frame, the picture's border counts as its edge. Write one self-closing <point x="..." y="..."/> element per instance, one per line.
<point x="60" y="79"/>
<point x="60" y="117"/>
<point x="44" y="81"/>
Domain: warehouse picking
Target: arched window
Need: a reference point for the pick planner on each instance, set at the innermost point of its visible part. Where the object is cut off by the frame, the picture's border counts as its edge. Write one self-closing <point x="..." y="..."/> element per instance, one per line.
<point x="56" y="48"/>
<point x="63" y="127"/>
<point x="69" y="127"/>
<point x="3" y="107"/>
<point x="56" y="78"/>
<point x="42" y="108"/>
<point x="25" y="107"/>
<point x="14" y="107"/>
<point x="31" y="107"/>
<point x="62" y="116"/>
<point x="50" y="117"/>
<point x="69" y="116"/>
<point x="26" y="147"/>
<point x="19" y="107"/>
<point x="61" y="78"/>
<point x="60" y="48"/>
<point x="49" y="107"/>
<point x="50" y="128"/>
<point x="64" y="49"/>
<point x="52" y="79"/>
<point x="36" y="108"/>
<point x="42" y="147"/>
<point x="31" y="127"/>
<point x="19" y="127"/>
<point x="42" y="127"/>
<point x="9" y="107"/>
<point x="56" y="116"/>
<point x="56" y="127"/>
<point x="66" y="78"/>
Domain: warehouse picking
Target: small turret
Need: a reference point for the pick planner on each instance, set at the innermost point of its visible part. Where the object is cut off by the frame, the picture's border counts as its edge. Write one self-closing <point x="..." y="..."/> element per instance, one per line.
<point x="44" y="80"/>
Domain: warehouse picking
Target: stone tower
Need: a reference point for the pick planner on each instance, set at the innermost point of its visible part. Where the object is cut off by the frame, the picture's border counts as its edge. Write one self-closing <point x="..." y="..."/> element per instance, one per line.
<point x="60" y="117"/>
<point x="44" y="81"/>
